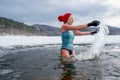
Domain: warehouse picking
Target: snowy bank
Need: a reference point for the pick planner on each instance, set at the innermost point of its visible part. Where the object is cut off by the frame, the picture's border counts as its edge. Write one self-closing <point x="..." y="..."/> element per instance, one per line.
<point x="6" y="41"/>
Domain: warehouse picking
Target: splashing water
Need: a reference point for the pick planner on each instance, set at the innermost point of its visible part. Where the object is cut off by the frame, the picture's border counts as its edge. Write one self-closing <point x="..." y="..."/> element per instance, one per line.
<point x="97" y="45"/>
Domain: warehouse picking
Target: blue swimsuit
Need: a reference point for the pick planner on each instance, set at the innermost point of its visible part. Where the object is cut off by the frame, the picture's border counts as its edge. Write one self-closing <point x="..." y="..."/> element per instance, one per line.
<point x="67" y="40"/>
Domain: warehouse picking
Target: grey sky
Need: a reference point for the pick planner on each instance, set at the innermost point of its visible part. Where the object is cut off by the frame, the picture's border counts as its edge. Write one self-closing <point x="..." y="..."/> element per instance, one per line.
<point x="46" y="11"/>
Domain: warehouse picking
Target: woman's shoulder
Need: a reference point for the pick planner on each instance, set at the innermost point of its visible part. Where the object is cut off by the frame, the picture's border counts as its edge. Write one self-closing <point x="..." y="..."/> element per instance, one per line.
<point x="63" y="27"/>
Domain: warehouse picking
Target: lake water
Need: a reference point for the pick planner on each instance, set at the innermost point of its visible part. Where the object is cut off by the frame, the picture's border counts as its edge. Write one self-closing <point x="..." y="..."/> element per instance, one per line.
<point x="44" y="63"/>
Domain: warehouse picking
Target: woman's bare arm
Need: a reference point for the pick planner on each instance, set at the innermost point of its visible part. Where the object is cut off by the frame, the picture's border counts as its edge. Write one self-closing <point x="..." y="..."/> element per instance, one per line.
<point x="69" y="27"/>
<point x="77" y="32"/>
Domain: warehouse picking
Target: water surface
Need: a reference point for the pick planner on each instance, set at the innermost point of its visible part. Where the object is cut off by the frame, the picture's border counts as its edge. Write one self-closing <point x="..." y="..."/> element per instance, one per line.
<point x="44" y="63"/>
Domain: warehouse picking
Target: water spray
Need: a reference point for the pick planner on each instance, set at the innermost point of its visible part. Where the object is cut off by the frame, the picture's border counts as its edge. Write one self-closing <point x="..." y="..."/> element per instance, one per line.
<point x="97" y="45"/>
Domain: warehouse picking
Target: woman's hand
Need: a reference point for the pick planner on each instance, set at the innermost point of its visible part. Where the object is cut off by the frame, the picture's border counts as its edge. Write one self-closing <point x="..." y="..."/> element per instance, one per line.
<point x="94" y="23"/>
<point x="94" y="32"/>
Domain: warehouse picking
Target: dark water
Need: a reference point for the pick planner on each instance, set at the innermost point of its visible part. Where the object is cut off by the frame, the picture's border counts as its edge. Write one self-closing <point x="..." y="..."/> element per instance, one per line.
<point x="44" y="63"/>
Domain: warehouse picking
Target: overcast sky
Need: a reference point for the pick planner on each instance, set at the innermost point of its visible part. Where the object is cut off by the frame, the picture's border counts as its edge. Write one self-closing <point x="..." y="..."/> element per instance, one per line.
<point x="46" y="11"/>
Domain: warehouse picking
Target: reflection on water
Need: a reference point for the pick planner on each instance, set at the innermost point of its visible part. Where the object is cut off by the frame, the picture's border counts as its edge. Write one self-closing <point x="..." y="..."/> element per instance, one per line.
<point x="80" y="70"/>
<point x="69" y="71"/>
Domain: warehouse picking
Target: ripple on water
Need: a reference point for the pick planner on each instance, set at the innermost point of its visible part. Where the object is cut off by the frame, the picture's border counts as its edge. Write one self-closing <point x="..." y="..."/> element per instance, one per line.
<point x="6" y="71"/>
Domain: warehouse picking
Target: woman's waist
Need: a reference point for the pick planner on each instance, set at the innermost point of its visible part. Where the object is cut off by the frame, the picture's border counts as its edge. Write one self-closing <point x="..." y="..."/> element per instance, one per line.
<point x="68" y="46"/>
<point x="67" y="40"/>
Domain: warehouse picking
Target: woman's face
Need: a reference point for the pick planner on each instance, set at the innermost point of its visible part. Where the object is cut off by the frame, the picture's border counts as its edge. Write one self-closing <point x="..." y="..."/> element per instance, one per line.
<point x="70" y="20"/>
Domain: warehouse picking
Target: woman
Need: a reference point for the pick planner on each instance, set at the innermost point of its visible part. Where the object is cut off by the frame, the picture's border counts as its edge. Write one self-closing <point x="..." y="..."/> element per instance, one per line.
<point x="68" y="31"/>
